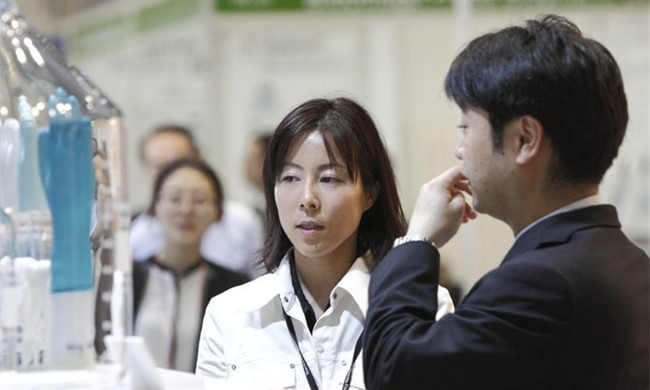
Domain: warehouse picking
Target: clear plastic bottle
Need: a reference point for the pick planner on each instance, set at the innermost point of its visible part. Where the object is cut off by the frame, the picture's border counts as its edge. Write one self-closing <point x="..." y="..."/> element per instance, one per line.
<point x="63" y="185"/>
<point x="8" y="308"/>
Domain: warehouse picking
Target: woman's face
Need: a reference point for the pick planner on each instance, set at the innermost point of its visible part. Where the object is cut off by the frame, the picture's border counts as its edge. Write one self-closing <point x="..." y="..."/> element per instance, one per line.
<point x="186" y="206"/>
<point x="319" y="205"/>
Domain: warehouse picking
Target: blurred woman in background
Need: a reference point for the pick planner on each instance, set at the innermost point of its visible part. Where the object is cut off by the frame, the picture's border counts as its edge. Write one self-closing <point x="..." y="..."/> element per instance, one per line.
<point x="172" y="288"/>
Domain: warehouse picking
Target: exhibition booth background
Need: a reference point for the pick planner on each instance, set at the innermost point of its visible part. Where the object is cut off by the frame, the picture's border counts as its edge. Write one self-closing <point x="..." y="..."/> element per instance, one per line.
<point x="232" y="70"/>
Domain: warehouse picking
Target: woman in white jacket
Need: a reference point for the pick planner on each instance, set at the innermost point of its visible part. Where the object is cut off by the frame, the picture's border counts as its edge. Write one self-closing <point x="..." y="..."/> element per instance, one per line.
<point x="333" y="212"/>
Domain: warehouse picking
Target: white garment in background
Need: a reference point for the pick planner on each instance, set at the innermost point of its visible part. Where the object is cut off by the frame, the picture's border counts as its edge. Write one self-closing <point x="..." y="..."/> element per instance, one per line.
<point x="245" y="343"/>
<point x="169" y="317"/>
<point x="232" y="243"/>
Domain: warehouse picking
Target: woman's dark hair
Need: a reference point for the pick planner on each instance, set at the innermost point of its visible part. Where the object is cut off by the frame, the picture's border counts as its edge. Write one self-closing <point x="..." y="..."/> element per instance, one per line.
<point x="348" y="129"/>
<point x="193" y="163"/>
<point x="549" y="70"/>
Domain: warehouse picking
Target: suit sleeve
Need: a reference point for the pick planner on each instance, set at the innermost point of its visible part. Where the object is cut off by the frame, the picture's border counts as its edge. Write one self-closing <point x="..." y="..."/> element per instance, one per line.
<point x="513" y="319"/>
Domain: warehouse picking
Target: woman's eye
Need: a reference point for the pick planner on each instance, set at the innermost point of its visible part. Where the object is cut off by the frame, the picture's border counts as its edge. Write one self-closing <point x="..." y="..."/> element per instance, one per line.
<point x="330" y="179"/>
<point x="288" y="178"/>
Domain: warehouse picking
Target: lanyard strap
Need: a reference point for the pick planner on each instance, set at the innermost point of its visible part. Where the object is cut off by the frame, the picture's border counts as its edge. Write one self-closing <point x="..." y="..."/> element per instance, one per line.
<point x="357" y="349"/>
<point x="305" y="366"/>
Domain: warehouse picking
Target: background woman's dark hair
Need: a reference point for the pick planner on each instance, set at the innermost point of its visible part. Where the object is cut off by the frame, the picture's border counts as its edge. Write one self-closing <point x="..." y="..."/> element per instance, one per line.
<point x="170" y="128"/>
<point x="193" y="163"/>
<point x="549" y="70"/>
<point x="347" y="128"/>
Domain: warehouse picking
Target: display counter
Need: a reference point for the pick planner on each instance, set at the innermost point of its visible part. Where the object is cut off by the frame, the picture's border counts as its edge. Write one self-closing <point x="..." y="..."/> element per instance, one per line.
<point x="103" y="377"/>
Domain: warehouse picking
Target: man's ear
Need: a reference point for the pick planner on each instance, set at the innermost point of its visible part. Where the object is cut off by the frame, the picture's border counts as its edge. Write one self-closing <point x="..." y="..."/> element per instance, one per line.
<point x="529" y="136"/>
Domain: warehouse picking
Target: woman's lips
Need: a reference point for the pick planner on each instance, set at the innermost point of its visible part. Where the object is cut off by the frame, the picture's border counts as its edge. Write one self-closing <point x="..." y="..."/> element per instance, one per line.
<point x="310" y="228"/>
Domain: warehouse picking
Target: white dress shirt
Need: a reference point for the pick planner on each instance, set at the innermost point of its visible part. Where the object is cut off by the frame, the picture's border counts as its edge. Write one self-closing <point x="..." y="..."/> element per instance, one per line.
<point x="232" y="243"/>
<point x="245" y="343"/>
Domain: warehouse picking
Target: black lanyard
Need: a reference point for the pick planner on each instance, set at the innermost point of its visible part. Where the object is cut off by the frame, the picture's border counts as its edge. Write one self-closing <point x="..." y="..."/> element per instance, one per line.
<point x="308" y="374"/>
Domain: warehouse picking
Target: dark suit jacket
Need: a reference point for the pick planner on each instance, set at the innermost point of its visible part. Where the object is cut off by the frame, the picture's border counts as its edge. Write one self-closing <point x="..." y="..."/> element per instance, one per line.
<point x="218" y="280"/>
<point x="568" y="308"/>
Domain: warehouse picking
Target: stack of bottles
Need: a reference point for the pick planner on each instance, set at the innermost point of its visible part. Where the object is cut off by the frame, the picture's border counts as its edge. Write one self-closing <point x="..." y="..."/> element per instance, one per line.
<point x="64" y="260"/>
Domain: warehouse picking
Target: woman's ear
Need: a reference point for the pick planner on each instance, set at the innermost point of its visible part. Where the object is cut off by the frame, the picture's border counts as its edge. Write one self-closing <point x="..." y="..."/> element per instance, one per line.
<point x="371" y="196"/>
<point x="529" y="136"/>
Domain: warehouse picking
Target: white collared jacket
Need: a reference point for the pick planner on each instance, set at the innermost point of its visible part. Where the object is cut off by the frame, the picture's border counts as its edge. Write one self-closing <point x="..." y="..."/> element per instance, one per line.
<point x="245" y="343"/>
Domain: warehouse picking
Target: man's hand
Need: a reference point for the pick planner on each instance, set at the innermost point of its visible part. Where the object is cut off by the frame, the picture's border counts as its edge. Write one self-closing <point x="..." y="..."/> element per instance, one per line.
<point x="441" y="207"/>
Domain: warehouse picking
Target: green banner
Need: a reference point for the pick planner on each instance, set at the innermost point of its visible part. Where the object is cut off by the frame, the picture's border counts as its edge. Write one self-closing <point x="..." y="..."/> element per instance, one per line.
<point x="301" y="5"/>
<point x="98" y="36"/>
<point x="165" y="13"/>
<point x="347" y="5"/>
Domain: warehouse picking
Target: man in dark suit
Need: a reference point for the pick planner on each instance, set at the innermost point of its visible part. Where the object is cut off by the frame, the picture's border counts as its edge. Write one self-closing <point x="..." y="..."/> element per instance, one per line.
<point x="543" y="115"/>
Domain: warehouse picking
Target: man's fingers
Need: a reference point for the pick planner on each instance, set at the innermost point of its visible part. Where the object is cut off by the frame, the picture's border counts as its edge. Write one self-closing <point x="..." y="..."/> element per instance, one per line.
<point x="469" y="213"/>
<point x="453" y="179"/>
<point x="463" y="185"/>
<point x="452" y="175"/>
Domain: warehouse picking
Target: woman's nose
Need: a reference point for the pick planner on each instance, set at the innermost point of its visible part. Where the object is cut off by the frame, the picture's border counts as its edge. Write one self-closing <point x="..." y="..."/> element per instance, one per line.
<point x="186" y="205"/>
<point x="309" y="199"/>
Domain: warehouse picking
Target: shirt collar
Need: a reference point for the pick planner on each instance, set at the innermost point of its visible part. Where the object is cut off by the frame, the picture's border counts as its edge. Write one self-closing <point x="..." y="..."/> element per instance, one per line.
<point x="201" y="262"/>
<point x="307" y="308"/>
<point x="279" y="284"/>
<point x="355" y="283"/>
<point x="592" y="200"/>
<point x="267" y="288"/>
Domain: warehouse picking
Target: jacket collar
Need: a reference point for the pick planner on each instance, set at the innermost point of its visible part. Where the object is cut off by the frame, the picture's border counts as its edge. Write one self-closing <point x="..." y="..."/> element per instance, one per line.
<point x="559" y="228"/>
